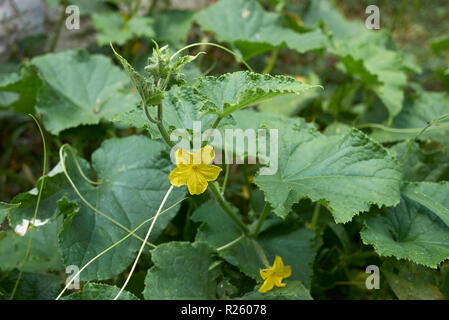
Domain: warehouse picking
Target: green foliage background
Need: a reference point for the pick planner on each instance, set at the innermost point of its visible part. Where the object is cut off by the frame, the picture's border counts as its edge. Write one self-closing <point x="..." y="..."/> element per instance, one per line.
<point x="363" y="174"/>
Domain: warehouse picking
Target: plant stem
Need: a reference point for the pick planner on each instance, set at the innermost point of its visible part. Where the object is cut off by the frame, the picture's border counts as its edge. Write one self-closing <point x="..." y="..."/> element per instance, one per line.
<point x="214" y="126"/>
<point x="225" y="206"/>
<point x="55" y="38"/>
<point x="225" y="181"/>
<point x="429" y="124"/>
<point x="271" y="62"/>
<point x="316" y="214"/>
<point x="262" y="218"/>
<point x="248" y="186"/>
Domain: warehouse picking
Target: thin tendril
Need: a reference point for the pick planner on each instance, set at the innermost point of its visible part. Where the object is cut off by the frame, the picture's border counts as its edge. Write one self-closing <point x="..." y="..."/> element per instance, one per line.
<point x="61" y="158"/>
<point x="44" y="170"/>
<point x="112" y="246"/>
<point x="230" y="244"/>
<point x="239" y="58"/>
<point x="77" y="164"/>
<point x="143" y="244"/>
<point x="429" y="124"/>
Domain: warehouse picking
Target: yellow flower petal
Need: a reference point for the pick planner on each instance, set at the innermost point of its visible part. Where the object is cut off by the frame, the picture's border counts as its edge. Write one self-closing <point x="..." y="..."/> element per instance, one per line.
<point x="278" y="282"/>
<point x="204" y="156"/>
<point x="267" y="285"/>
<point x="183" y="157"/>
<point x="273" y="276"/>
<point x="178" y="176"/>
<point x="196" y="183"/>
<point x="286" y="272"/>
<point x="265" y="273"/>
<point x="209" y="171"/>
<point x="278" y="264"/>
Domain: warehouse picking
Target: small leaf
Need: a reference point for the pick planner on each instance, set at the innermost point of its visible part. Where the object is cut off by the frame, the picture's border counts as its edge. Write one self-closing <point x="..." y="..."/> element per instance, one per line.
<point x="181" y="271"/>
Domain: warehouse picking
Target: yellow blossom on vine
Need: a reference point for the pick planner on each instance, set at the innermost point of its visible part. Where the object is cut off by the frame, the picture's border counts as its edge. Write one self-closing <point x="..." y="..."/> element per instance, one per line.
<point x="194" y="170"/>
<point x="273" y="276"/>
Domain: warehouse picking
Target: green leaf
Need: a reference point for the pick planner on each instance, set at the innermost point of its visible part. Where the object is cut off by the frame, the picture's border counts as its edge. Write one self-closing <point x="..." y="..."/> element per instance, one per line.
<point x="426" y="107"/>
<point x="249" y="28"/>
<point x="336" y="23"/>
<point x="433" y="196"/>
<point x="181" y="271"/>
<point x="44" y="254"/>
<point x="412" y="231"/>
<point x="114" y="27"/>
<point x="250" y="119"/>
<point x="439" y="44"/>
<point x="149" y="93"/>
<point x="412" y="282"/>
<point x="32" y="286"/>
<point x="99" y="291"/>
<point x="237" y="90"/>
<point x="173" y="26"/>
<point x="379" y="69"/>
<point x="133" y="173"/>
<point x="296" y="248"/>
<point x="94" y="91"/>
<point x="18" y="90"/>
<point x="345" y="173"/>
<point x="420" y="164"/>
<point x="292" y="104"/>
<point x="294" y="290"/>
<point x="5" y="208"/>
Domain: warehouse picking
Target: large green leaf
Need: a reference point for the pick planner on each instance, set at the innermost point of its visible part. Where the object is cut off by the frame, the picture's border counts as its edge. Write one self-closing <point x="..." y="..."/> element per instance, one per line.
<point x="237" y="90"/>
<point x="346" y="173"/>
<point x="336" y="23"/>
<point x="133" y="173"/>
<point x="32" y="286"/>
<point x="18" y="90"/>
<point x="181" y="271"/>
<point x="296" y="248"/>
<point x="99" y="291"/>
<point x="426" y="107"/>
<point x="115" y="28"/>
<point x="44" y="254"/>
<point x="249" y="28"/>
<point x="414" y="230"/>
<point x="80" y="89"/>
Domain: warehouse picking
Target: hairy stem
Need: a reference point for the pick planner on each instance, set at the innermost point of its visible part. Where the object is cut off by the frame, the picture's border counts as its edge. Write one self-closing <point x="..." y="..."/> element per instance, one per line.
<point x="262" y="218"/>
<point x="225" y="206"/>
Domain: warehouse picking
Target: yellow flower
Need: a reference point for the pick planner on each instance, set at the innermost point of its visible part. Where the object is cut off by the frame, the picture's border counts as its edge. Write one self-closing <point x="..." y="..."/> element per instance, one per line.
<point x="194" y="170"/>
<point x="273" y="276"/>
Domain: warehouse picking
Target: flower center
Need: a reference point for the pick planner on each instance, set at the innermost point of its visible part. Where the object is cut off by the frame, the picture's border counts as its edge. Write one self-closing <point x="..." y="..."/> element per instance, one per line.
<point x="195" y="167"/>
